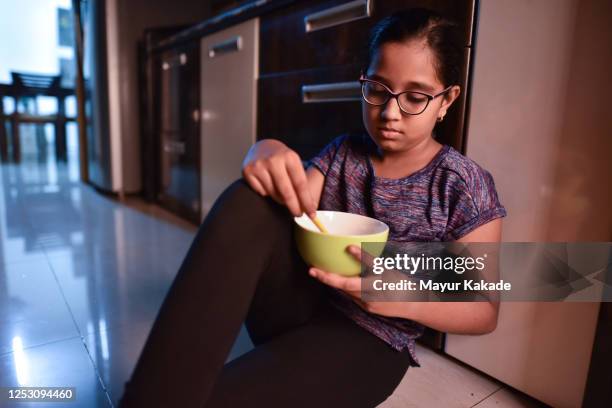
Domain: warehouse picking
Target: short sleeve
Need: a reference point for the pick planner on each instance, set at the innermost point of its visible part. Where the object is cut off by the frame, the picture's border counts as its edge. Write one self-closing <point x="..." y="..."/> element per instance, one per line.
<point x="475" y="203"/>
<point x="325" y="158"/>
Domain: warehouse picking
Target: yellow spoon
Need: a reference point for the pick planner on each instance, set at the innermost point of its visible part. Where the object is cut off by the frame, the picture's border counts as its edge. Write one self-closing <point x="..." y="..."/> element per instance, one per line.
<point x="319" y="225"/>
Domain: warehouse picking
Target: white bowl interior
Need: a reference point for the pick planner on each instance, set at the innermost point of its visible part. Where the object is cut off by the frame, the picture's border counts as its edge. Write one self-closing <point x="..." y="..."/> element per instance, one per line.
<point x="341" y="223"/>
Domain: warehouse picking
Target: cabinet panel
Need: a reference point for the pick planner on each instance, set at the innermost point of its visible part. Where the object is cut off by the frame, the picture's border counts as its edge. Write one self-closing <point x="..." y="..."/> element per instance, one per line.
<point x="535" y="151"/>
<point x="290" y="46"/>
<point x="306" y="127"/>
<point x="179" y="132"/>
<point x="150" y="68"/>
<point x="229" y="69"/>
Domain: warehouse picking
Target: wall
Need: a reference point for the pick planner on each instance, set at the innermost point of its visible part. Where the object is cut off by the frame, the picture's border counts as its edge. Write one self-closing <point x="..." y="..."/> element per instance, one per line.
<point x="538" y="124"/>
<point x="133" y="17"/>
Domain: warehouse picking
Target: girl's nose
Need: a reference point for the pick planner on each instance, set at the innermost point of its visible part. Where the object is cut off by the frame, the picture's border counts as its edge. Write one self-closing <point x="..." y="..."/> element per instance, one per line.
<point x="391" y="110"/>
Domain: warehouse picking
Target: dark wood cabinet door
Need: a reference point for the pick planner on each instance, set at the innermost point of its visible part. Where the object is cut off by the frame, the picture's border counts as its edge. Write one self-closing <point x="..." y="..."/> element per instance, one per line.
<point x="307" y="127"/>
<point x="287" y="45"/>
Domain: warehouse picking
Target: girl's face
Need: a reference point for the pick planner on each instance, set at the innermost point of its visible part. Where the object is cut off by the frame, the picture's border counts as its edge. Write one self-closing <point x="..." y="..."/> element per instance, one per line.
<point x="407" y="66"/>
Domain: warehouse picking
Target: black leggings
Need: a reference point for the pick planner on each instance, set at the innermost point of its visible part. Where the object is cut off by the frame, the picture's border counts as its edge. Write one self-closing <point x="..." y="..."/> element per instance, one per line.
<point x="243" y="266"/>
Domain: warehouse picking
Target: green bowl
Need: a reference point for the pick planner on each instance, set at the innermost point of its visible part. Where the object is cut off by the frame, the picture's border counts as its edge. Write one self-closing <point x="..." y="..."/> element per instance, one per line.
<point x="328" y="251"/>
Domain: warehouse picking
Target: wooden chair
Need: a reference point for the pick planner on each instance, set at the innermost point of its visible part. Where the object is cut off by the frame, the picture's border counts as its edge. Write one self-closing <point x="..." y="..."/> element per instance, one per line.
<point x="27" y="85"/>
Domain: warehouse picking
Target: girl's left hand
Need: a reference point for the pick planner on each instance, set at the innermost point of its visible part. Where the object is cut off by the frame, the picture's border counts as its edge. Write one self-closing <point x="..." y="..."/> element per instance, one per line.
<point x="351" y="285"/>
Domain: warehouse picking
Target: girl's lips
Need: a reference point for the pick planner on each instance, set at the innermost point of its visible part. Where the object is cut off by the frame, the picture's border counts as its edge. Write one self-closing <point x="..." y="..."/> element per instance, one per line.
<point x="389" y="133"/>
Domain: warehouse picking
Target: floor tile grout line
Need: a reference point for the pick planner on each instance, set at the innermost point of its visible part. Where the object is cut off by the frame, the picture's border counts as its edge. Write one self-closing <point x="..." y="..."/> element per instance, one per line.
<point x="80" y="334"/>
<point x="488" y="396"/>
<point x="59" y="286"/>
<point x="104" y="388"/>
<point x="47" y="343"/>
<point x="97" y="371"/>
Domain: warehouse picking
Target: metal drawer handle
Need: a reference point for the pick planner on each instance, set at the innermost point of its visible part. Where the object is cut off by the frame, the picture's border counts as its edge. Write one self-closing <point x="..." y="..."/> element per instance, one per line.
<point x="336" y="92"/>
<point x="225" y="47"/>
<point x="337" y="15"/>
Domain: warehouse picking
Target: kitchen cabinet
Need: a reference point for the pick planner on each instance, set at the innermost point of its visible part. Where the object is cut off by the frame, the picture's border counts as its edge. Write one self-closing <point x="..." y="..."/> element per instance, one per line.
<point x="547" y="160"/>
<point x="150" y="69"/>
<point x="228" y="95"/>
<point x="331" y="33"/>
<point x="305" y="127"/>
<point x="179" y="130"/>
<point x="307" y="61"/>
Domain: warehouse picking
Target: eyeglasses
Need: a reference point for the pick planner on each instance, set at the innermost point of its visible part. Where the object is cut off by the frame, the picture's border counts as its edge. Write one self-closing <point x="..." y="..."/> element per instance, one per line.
<point x="410" y="102"/>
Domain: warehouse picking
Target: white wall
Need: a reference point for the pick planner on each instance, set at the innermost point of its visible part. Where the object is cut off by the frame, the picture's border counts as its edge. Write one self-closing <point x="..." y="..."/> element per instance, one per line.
<point x="133" y="17"/>
<point x="539" y="124"/>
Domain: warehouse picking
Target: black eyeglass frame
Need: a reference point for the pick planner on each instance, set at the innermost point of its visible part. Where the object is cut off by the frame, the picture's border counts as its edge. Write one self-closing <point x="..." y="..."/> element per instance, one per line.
<point x="390" y="94"/>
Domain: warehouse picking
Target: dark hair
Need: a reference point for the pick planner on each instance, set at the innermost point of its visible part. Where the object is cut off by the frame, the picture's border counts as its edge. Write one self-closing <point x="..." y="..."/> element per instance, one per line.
<point x="439" y="33"/>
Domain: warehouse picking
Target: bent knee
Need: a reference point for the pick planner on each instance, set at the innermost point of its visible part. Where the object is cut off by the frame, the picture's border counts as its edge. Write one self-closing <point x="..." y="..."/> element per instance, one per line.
<point x="240" y="200"/>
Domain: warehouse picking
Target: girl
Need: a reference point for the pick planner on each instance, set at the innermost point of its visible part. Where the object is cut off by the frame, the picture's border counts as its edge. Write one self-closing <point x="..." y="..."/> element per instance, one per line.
<point x="317" y="342"/>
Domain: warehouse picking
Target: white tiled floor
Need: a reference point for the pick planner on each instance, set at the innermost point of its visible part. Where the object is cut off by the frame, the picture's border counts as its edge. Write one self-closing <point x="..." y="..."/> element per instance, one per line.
<point x="443" y="382"/>
<point x="82" y="277"/>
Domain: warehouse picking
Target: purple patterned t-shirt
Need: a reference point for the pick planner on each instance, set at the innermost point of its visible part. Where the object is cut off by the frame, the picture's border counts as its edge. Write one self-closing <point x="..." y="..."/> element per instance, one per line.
<point x="448" y="198"/>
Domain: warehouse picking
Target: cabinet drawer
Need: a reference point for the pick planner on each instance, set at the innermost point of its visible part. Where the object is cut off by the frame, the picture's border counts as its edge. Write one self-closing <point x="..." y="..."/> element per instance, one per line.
<point x="307" y="110"/>
<point x="329" y="33"/>
<point x="287" y="46"/>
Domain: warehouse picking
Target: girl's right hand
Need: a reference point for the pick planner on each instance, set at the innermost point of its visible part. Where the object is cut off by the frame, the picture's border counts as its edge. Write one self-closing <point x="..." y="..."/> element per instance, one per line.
<point x="272" y="169"/>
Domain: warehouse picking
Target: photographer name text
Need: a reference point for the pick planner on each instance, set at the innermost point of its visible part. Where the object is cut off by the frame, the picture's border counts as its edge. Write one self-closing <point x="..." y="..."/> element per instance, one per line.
<point x="430" y="285"/>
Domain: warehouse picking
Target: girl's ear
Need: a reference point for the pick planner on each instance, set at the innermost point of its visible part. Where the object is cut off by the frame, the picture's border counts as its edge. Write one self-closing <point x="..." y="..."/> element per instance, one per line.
<point x="448" y="100"/>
